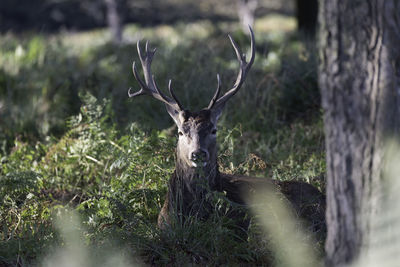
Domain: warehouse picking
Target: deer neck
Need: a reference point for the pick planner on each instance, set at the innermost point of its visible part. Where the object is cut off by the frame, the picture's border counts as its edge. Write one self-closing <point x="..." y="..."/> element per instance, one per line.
<point x="197" y="179"/>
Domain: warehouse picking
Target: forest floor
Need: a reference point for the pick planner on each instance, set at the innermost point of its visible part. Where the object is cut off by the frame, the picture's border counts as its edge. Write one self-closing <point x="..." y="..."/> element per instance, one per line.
<point x="84" y="169"/>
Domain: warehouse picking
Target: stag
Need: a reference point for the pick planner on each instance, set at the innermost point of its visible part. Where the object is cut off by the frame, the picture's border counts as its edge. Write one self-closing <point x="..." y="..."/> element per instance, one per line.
<point x="196" y="169"/>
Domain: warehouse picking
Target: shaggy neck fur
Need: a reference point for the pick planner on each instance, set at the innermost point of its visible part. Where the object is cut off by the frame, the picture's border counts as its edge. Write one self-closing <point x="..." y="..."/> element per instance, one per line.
<point x="188" y="188"/>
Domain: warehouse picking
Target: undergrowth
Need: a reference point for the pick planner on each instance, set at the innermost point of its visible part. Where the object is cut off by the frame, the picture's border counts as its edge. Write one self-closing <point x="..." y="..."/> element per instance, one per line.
<point x="71" y="142"/>
<point x="117" y="184"/>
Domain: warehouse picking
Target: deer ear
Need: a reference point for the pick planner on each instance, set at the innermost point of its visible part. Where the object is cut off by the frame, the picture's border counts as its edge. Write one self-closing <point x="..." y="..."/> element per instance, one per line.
<point x="176" y="115"/>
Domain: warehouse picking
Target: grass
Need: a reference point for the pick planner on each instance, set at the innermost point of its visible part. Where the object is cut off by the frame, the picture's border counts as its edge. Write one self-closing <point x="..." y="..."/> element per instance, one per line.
<point x="71" y="140"/>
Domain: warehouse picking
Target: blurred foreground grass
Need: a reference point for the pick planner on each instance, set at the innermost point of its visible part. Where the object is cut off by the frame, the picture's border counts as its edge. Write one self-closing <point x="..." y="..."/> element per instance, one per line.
<point x="65" y="148"/>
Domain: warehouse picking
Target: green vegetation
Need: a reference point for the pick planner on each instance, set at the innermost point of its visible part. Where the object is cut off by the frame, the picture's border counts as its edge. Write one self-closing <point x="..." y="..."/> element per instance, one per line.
<point x="70" y="139"/>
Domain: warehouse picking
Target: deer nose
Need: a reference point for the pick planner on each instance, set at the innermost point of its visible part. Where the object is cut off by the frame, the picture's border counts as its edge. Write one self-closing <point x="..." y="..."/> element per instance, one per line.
<point x="199" y="155"/>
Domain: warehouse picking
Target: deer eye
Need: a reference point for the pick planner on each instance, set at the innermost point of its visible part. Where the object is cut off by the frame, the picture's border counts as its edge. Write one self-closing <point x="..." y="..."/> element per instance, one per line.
<point x="214" y="131"/>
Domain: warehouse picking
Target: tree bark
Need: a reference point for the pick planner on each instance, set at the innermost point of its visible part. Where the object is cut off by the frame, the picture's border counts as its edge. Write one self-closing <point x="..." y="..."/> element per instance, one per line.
<point x="359" y="77"/>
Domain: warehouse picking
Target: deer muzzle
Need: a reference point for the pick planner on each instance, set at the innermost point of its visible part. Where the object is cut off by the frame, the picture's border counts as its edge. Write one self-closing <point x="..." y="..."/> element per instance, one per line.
<point x="199" y="158"/>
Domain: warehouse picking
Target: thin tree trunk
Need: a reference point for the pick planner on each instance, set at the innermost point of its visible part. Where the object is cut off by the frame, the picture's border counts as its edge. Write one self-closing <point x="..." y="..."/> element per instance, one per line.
<point x="246" y="10"/>
<point x="359" y="77"/>
<point x="114" y="21"/>
<point x="307" y="14"/>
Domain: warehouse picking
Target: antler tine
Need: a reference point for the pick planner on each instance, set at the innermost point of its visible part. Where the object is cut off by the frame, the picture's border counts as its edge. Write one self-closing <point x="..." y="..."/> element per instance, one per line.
<point x="238" y="52"/>
<point x="216" y="95"/>
<point x="244" y="67"/>
<point x="146" y="61"/>
<point x="172" y="93"/>
<point x="149" y="86"/>
<point x="146" y="90"/>
<point x="139" y="80"/>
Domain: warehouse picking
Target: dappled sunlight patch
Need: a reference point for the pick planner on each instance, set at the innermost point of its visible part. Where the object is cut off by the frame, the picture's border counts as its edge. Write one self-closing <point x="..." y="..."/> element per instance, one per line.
<point x="275" y="23"/>
<point x="80" y="41"/>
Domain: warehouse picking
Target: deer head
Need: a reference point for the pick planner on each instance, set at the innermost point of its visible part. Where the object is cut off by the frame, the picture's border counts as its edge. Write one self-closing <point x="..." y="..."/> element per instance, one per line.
<point x="196" y="146"/>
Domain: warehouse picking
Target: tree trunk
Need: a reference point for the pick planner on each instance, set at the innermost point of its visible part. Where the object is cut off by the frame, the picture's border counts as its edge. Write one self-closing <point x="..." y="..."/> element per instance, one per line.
<point x="246" y="10"/>
<point x="114" y="20"/>
<point x="359" y="77"/>
<point x="307" y="13"/>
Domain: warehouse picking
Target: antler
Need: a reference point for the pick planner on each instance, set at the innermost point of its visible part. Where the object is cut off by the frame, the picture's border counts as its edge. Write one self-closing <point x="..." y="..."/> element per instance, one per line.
<point x="243" y="70"/>
<point x="149" y="87"/>
<point x="216" y="95"/>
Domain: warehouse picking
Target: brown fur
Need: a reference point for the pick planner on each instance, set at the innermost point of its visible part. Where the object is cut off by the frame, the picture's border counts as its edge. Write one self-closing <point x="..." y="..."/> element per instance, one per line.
<point x="307" y="202"/>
